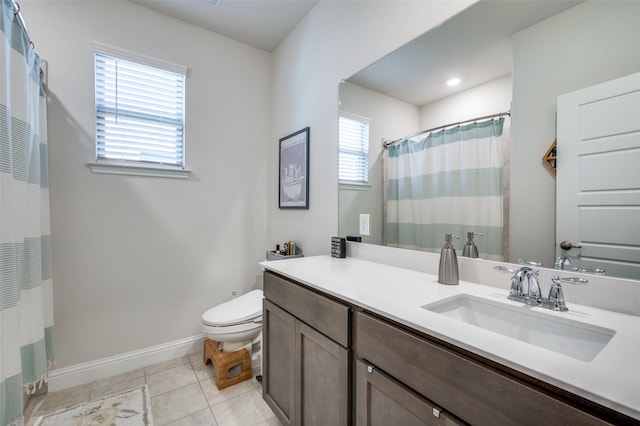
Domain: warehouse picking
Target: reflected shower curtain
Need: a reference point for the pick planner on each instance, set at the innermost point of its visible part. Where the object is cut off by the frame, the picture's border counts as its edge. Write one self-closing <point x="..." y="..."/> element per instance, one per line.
<point x="26" y="314"/>
<point x="450" y="181"/>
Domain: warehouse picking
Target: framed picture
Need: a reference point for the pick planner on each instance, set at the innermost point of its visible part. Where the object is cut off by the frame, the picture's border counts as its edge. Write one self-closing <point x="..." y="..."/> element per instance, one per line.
<point x="294" y="171"/>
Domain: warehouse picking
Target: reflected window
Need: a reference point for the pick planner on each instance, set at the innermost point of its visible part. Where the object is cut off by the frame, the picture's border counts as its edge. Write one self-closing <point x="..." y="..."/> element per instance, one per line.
<point x="353" y="148"/>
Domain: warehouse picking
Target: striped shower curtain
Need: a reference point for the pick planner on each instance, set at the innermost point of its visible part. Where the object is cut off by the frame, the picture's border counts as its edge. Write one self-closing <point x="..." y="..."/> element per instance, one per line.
<point x="26" y="313"/>
<point x="450" y="181"/>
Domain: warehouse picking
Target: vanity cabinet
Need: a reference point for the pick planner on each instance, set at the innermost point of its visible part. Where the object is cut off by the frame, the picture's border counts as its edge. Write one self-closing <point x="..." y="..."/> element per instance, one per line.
<point x="307" y="356"/>
<point x="472" y="390"/>
<point x="328" y="362"/>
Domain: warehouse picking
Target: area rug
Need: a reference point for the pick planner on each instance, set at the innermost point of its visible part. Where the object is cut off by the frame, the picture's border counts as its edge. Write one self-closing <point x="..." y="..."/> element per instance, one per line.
<point x="128" y="408"/>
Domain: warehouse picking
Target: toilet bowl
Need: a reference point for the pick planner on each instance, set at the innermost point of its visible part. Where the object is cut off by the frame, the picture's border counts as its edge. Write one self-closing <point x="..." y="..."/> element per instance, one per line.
<point x="233" y="326"/>
<point x="236" y="322"/>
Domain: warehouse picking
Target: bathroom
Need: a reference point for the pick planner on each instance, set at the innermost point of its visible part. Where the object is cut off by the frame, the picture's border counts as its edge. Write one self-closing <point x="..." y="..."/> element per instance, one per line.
<point x="137" y="260"/>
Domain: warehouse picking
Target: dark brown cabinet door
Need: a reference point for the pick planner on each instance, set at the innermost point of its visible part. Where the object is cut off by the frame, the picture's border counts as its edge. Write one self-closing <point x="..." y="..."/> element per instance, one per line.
<point x="323" y="367"/>
<point x="382" y="401"/>
<point x="306" y="374"/>
<point x="279" y="340"/>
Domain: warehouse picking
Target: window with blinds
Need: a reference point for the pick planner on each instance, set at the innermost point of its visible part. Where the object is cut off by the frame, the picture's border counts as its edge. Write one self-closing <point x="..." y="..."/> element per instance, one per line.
<point x="353" y="149"/>
<point x="139" y="112"/>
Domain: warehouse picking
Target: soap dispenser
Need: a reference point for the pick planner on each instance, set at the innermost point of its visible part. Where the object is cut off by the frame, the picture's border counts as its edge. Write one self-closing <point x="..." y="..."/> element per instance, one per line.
<point x="470" y="249"/>
<point x="448" y="271"/>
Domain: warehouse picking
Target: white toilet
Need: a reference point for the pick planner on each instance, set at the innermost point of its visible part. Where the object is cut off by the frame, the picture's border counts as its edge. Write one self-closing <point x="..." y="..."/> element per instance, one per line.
<point x="238" y="320"/>
<point x="236" y="325"/>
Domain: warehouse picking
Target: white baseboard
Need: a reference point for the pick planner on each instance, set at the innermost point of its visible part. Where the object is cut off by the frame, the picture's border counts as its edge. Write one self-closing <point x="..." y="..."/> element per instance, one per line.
<point x="79" y="374"/>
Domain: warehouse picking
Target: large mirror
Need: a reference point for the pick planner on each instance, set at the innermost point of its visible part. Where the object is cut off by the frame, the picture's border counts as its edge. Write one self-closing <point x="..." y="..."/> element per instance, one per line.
<point x="516" y="56"/>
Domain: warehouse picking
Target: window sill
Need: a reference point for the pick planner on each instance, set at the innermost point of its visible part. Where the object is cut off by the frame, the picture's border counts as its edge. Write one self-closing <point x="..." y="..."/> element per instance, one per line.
<point x="118" y="168"/>
<point x="356" y="186"/>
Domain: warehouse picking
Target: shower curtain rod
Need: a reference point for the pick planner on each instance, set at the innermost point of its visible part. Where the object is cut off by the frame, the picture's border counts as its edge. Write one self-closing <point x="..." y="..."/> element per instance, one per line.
<point x="16" y="12"/>
<point x="486" y="117"/>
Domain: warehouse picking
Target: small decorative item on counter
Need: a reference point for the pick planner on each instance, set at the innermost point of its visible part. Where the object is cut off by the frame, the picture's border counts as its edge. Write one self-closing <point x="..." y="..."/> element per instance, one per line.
<point x="289" y="251"/>
<point x="448" y="270"/>
<point x="338" y="247"/>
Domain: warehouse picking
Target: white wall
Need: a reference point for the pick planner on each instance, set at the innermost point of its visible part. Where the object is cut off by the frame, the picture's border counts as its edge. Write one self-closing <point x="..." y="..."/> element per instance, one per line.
<point x="486" y="99"/>
<point x="335" y="40"/>
<point x="390" y="119"/>
<point x="588" y="44"/>
<point x="137" y="260"/>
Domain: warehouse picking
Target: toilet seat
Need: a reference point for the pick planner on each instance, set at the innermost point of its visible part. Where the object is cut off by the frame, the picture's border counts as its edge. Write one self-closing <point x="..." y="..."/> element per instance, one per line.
<point x="240" y="310"/>
<point x="236" y="320"/>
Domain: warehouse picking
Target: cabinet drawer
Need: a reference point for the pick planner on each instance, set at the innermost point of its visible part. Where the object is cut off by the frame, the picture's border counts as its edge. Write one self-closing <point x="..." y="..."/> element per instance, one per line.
<point x="383" y="401"/>
<point x="325" y="315"/>
<point x="472" y="391"/>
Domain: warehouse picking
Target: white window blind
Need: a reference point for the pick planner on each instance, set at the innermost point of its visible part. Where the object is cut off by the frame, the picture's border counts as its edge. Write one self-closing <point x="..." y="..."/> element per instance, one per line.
<point x="139" y="112"/>
<point x="353" y="148"/>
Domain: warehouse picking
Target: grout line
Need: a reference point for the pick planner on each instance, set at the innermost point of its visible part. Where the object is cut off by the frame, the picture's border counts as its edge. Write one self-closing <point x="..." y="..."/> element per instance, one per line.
<point x="256" y="387"/>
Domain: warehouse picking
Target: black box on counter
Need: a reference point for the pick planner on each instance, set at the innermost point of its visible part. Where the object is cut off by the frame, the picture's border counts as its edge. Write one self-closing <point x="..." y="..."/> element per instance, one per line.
<point x="338" y="247"/>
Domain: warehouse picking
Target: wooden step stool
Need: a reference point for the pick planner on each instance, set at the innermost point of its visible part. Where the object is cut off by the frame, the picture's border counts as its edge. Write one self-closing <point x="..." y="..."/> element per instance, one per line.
<point x="224" y="361"/>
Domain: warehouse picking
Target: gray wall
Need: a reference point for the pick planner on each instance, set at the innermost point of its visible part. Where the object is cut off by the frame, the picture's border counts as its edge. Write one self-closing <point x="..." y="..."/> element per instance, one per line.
<point x="137" y="260"/>
<point x="586" y="45"/>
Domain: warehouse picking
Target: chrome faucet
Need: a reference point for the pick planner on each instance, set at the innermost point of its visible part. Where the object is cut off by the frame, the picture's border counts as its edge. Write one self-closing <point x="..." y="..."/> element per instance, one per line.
<point x="562" y="262"/>
<point x="533" y="295"/>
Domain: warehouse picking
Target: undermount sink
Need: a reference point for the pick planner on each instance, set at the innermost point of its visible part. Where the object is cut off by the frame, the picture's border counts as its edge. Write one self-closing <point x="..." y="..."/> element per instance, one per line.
<point x="561" y="335"/>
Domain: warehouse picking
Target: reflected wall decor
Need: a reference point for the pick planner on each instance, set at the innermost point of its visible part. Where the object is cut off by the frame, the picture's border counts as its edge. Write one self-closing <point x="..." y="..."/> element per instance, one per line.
<point x="293" y="171"/>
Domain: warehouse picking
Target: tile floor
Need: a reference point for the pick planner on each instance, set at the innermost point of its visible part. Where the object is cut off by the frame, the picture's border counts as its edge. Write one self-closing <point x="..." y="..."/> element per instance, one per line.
<point x="183" y="392"/>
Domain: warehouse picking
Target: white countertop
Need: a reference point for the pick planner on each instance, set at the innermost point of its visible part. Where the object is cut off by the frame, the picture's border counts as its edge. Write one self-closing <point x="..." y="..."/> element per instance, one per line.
<point x="611" y="379"/>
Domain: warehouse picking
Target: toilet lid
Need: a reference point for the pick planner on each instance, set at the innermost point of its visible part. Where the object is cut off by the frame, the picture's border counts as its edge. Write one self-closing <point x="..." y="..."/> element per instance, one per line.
<point x="241" y="309"/>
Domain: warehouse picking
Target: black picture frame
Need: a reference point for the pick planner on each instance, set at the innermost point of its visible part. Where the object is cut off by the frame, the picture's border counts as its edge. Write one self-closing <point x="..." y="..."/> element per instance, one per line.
<point x="293" y="171"/>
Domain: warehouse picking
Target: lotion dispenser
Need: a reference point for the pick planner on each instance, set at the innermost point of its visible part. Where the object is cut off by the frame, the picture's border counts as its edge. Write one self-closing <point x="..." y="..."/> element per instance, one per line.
<point x="448" y="271"/>
<point x="470" y="249"/>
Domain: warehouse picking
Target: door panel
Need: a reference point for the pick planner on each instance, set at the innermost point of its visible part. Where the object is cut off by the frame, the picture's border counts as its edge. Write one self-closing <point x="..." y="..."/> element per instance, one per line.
<point x="598" y="178"/>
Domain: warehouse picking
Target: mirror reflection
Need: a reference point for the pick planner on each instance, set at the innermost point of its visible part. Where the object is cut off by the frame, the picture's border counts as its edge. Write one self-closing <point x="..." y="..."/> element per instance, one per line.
<point x="516" y="56"/>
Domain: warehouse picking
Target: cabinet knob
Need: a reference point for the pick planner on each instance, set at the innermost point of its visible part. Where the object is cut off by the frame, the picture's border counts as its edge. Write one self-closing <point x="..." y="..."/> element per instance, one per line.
<point x="436" y="411"/>
<point x="370" y="368"/>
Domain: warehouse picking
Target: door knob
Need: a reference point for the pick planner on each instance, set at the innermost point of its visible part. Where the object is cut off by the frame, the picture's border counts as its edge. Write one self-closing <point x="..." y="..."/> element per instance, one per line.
<point x="566" y="245"/>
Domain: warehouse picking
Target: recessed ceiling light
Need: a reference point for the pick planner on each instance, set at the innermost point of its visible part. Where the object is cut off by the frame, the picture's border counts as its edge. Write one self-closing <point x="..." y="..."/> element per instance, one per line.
<point x="453" y="82"/>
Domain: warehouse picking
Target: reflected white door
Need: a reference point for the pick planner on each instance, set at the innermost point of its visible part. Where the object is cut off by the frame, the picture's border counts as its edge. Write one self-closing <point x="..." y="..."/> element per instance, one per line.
<point x="598" y="176"/>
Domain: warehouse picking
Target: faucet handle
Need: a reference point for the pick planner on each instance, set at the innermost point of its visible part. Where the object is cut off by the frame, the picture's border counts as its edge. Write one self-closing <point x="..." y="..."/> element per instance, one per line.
<point x="529" y="262"/>
<point x="516" y="292"/>
<point x="504" y="269"/>
<point x="556" y="296"/>
<point x="595" y="271"/>
<point x="569" y="280"/>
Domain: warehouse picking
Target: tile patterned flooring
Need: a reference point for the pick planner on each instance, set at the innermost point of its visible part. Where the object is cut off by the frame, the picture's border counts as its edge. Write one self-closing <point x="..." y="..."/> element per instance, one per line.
<point x="183" y="392"/>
